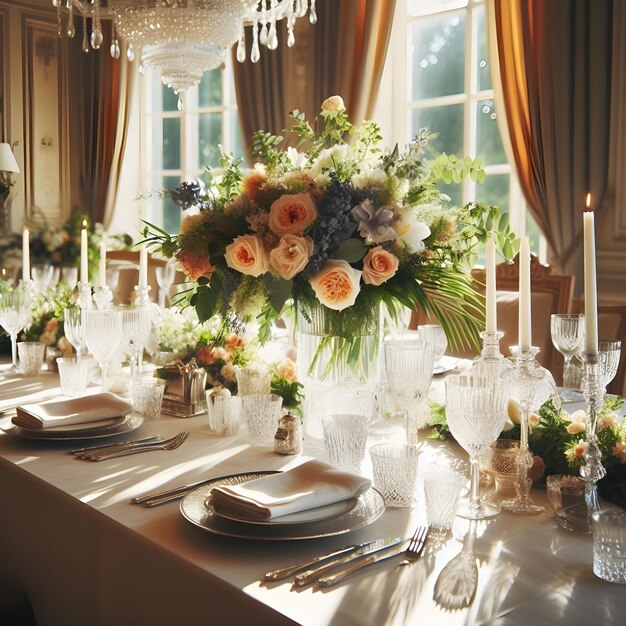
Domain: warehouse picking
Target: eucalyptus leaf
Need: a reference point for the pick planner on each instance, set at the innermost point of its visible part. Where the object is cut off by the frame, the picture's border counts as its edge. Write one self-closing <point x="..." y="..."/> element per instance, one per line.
<point x="351" y="250"/>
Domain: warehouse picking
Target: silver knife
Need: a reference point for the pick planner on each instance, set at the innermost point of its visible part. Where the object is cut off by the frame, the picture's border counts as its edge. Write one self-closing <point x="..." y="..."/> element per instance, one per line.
<point x="342" y="574"/>
<point x="375" y="546"/>
<point x="279" y="574"/>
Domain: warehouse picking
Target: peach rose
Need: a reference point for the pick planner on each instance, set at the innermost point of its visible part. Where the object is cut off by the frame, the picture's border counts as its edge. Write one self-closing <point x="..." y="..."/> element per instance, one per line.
<point x="291" y="255"/>
<point x="336" y="285"/>
<point x="576" y="427"/>
<point x="194" y="265"/>
<point x="619" y="451"/>
<point x="292" y="213"/>
<point x="580" y="449"/>
<point x="287" y="369"/>
<point x="247" y="255"/>
<point x="334" y="103"/>
<point x="379" y="266"/>
<point x="533" y="420"/>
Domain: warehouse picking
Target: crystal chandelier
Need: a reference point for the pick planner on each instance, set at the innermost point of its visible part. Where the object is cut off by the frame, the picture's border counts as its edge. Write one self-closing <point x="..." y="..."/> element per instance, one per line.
<point x="182" y="38"/>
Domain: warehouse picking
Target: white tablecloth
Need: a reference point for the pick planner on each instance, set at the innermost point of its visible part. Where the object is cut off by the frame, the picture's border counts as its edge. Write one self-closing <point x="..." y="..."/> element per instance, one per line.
<point x="74" y="546"/>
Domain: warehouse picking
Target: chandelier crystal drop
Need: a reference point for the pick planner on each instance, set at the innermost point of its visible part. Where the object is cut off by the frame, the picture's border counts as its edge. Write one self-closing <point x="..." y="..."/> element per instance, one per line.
<point x="183" y="38"/>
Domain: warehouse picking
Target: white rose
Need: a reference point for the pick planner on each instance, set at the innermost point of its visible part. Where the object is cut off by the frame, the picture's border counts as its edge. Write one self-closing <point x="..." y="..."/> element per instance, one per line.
<point x="332" y="104"/>
<point x="372" y="178"/>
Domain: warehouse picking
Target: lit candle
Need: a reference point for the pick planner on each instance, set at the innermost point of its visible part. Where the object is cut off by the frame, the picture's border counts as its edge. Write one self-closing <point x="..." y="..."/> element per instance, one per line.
<point x="25" y="255"/>
<point x="103" y="263"/>
<point x="84" y="255"/>
<point x="524" y="328"/>
<point x="143" y="267"/>
<point x="591" y="295"/>
<point x="490" y="266"/>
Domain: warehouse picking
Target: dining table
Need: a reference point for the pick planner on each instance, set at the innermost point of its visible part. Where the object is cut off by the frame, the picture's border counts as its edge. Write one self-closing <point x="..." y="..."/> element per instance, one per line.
<point x="78" y="552"/>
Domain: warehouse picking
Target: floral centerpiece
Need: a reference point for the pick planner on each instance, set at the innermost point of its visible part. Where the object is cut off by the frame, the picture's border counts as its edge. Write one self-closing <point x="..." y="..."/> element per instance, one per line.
<point x="557" y="440"/>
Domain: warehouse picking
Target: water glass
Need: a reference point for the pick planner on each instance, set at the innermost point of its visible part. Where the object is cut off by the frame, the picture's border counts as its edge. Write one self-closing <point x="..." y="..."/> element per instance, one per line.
<point x="31" y="356"/>
<point x="262" y="412"/>
<point x="609" y="545"/>
<point x="165" y="278"/>
<point x="148" y="397"/>
<point x="15" y="313"/>
<point x="42" y="276"/>
<point x="567" y="497"/>
<point x="395" y="473"/>
<point x="69" y="275"/>
<point x="442" y="487"/>
<point x="103" y="334"/>
<point x="345" y="436"/>
<point x="253" y="380"/>
<point x="435" y="334"/>
<point x="609" y="352"/>
<point x="223" y="414"/>
<point x="74" y="374"/>
<point x="73" y="328"/>
<point x="567" y="331"/>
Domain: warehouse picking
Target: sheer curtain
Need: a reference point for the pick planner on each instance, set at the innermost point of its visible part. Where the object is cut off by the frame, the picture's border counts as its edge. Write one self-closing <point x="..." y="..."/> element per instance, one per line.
<point x="100" y="89"/>
<point x="343" y="54"/>
<point x="554" y="61"/>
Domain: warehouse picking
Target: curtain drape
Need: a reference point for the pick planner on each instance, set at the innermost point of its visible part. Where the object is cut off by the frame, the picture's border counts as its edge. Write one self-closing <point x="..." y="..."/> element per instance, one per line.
<point x="343" y="54"/>
<point x="555" y="70"/>
<point x="100" y="89"/>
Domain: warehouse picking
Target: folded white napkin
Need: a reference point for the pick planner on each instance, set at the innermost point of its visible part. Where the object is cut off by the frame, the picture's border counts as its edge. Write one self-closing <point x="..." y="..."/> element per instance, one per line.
<point x="306" y="486"/>
<point x="56" y="413"/>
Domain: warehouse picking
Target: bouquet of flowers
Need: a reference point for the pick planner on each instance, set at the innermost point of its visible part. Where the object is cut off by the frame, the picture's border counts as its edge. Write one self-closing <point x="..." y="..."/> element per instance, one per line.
<point x="336" y="224"/>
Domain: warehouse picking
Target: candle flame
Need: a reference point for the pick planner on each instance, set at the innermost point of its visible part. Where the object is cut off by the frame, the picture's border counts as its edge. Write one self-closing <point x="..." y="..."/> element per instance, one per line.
<point x="84" y="223"/>
<point x="4" y="272"/>
<point x="588" y="201"/>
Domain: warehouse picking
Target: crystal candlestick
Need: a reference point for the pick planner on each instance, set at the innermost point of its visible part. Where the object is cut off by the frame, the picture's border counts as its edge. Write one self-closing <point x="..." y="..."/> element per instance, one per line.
<point x="593" y="388"/>
<point x="142" y="295"/>
<point x="531" y="385"/>
<point x="490" y="362"/>
<point x="84" y="296"/>
<point x="103" y="297"/>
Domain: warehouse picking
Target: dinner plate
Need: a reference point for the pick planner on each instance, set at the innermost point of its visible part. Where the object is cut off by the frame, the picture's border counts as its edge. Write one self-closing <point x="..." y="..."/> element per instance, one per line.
<point x="370" y="505"/>
<point x="446" y="364"/>
<point x="96" y="430"/>
<point x="301" y="517"/>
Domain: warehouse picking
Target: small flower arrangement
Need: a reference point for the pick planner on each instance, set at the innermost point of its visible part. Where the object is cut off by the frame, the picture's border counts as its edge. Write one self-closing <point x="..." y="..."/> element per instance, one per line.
<point x="337" y="223"/>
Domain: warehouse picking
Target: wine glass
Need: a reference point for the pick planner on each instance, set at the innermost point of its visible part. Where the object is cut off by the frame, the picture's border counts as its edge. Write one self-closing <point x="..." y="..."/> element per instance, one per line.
<point x="435" y="334"/>
<point x="409" y="369"/>
<point x="476" y="411"/>
<point x="165" y="278"/>
<point x="15" y="312"/>
<point x="103" y="334"/>
<point x="609" y="352"/>
<point x="69" y="275"/>
<point x="136" y="328"/>
<point x="42" y="276"/>
<point x="567" y="332"/>
<point x="112" y="278"/>
<point x="73" y="328"/>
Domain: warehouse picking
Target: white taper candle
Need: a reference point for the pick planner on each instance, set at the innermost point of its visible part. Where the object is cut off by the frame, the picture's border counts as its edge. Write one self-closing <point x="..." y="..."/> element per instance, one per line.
<point x="26" y="255"/>
<point x="143" y="267"/>
<point x="525" y="325"/>
<point x="591" y="294"/>
<point x="84" y="256"/>
<point x="490" y="267"/>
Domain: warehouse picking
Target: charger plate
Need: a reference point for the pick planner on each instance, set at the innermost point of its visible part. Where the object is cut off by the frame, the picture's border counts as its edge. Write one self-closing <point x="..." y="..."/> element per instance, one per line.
<point x="96" y="430"/>
<point x="369" y="506"/>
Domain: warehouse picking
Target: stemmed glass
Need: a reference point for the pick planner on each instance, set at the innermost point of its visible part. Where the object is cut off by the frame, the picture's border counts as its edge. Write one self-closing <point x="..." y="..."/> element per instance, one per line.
<point x="165" y="279"/>
<point x="103" y="334"/>
<point x="73" y="329"/>
<point x="15" y="312"/>
<point x="609" y="352"/>
<point x="42" y="276"/>
<point x="435" y="334"/>
<point x="69" y="275"/>
<point x="567" y="336"/>
<point x="476" y="411"/>
<point x="136" y="328"/>
<point x="409" y="369"/>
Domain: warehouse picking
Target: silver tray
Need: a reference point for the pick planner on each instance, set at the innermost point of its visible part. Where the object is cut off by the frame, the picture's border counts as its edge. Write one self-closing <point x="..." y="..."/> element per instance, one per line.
<point x="370" y="506"/>
<point x="126" y="424"/>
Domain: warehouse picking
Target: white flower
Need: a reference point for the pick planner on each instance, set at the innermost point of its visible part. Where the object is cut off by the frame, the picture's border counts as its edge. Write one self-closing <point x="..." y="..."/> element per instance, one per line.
<point x="332" y="104"/>
<point x="411" y="232"/>
<point x="577" y="416"/>
<point x="371" y="178"/>
<point x="327" y="159"/>
<point x="296" y="158"/>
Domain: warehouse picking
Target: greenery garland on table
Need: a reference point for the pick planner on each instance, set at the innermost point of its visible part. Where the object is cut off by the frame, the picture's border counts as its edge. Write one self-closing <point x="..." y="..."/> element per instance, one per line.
<point x="558" y="439"/>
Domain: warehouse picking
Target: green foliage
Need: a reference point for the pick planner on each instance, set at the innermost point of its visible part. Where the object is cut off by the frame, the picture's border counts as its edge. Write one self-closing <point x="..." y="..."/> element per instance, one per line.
<point x="290" y="392"/>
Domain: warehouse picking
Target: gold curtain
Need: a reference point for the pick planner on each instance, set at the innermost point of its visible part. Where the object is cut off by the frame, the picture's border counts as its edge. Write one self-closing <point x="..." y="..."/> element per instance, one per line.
<point x="100" y="89"/>
<point x="343" y="54"/>
<point x="554" y="61"/>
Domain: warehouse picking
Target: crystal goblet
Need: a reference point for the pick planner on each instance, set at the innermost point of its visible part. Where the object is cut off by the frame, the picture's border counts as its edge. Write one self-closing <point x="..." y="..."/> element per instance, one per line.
<point x="103" y="335"/>
<point x="567" y="332"/>
<point x="475" y="409"/>
<point x="73" y="328"/>
<point x="69" y="275"/>
<point x="409" y="370"/>
<point x="136" y="328"/>
<point x="609" y="352"/>
<point x="165" y="279"/>
<point x="435" y="334"/>
<point x="42" y="276"/>
<point x="15" y="312"/>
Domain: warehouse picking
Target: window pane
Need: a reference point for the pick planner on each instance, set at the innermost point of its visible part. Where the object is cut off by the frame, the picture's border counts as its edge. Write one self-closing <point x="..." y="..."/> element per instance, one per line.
<point x="163" y="212"/>
<point x="210" y="135"/>
<point x="482" y="57"/>
<point x="447" y="121"/>
<point x="438" y="56"/>
<point x="488" y="142"/>
<point x="533" y="232"/>
<point x="425" y="7"/>
<point x="170" y="99"/>
<point x="495" y="190"/>
<point x="171" y="143"/>
<point x="236" y="136"/>
<point x="210" y="89"/>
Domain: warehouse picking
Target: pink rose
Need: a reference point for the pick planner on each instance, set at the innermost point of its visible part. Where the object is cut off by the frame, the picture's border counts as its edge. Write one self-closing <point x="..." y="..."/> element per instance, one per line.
<point x="379" y="266"/>
<point x="336" y="285"/>
<point x="291" y="255"/>
<point x="292" y="214"/>
<point x="247" y="255"/>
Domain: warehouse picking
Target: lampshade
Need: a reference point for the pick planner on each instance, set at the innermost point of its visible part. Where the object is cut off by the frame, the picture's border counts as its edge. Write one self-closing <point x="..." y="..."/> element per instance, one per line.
<point x="7" y="160"/>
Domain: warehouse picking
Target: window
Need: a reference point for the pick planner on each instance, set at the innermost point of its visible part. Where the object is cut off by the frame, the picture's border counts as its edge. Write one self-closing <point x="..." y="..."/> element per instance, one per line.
<point x="179" y="144"/>
<point x="441" y="65"/>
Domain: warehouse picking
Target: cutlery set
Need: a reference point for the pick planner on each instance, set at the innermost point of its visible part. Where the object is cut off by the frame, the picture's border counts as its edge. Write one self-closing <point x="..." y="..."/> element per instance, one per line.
<point x="112" y="451"/>
<point x="350" y="559"/>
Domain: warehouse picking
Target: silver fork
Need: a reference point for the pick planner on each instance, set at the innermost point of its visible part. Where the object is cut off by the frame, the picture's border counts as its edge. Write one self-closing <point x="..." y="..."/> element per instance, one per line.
<point x="168" y="444"/>
<point x="416" y="545"/>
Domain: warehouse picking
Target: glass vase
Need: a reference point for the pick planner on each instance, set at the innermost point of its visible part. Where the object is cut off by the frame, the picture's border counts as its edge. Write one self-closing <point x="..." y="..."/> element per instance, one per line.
<point x="338" y="365"/>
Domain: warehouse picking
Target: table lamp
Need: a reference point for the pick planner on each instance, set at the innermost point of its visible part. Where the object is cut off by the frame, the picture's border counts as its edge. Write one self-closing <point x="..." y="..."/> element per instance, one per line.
<point x="8" y="165"/>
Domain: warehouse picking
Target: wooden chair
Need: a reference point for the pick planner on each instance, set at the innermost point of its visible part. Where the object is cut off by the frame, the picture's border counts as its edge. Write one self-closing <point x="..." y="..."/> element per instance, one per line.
<point x="127" y="262"/>
<point x="551" y="293"/>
